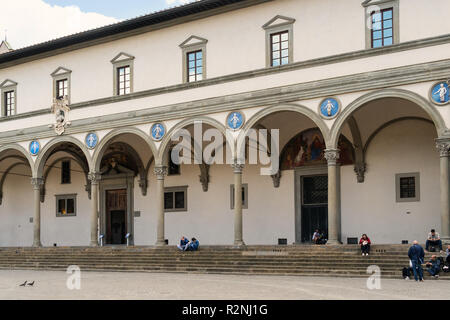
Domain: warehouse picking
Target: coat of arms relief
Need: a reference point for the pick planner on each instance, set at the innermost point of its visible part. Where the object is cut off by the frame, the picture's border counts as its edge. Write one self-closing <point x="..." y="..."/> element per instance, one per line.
<point x="60" y="109"/>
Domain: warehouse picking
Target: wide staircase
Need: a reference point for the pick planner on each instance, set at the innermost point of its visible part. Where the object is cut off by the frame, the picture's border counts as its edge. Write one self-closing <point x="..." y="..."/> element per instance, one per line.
<point x="335" y="261"/>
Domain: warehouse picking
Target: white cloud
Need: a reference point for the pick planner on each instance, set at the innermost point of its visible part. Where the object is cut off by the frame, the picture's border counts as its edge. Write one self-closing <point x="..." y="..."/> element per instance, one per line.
<point x="33" y="21"/>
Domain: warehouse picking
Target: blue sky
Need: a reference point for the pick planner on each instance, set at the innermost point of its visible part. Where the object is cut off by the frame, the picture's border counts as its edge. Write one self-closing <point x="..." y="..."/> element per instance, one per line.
<point x="114" y="8"/>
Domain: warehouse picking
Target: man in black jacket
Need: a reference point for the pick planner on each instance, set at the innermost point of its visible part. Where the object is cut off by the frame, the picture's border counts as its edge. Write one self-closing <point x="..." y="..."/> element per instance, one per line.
<point x="416" y="255"/>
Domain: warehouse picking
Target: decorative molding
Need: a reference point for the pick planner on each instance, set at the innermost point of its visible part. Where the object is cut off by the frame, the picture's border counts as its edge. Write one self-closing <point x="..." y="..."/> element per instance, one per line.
<point x="276" y="178"/>
<point x="122" y="57"/>
<point x="238" y="168"/>
<point x="37" y="183"/>
<point x="443" y="146"/>
<point x="160" y="172"/>
<point x="360" y="170"/>
<point x="8" y="83"/>
<point x="360" y="165"/>
<point x="309" y="90"/>
<point x="60" y="71"/>
<point x="284" y="21"/>
<point x="94" y="177"/>
<point x="204" y="176"/>
<point x="189" y="43"/>
<point x="332" y="156"/>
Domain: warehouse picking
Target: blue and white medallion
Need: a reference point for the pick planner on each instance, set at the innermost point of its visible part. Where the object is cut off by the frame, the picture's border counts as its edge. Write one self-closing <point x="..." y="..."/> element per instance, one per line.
<point x="158" y="131"/>
<point x="440" y="94"/>
<point x="329" y="108"/>
<point x="34" y="148"/>
<point x="235" y="120"/>
<point x="91" y="140"/>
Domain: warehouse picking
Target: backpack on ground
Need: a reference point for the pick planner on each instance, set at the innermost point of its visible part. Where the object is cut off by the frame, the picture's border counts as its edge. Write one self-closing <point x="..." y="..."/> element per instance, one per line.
<point x="406" y="272"/>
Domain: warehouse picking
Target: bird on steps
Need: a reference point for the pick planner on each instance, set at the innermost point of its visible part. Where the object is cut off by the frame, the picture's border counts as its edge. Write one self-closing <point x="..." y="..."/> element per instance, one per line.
<point x="23" y="284"/>
<point x="31" y="284"/>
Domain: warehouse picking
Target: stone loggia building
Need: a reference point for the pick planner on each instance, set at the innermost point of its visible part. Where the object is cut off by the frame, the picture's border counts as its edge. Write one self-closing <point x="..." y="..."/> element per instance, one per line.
<point x="359" y="91"/>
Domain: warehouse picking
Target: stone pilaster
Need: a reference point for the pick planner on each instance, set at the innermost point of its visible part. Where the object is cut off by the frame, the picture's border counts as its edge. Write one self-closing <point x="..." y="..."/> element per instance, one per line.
<point x="238" y="223"/>
<point x="37" y="184"/>
<point x="443" y="146"/>
<point x="334" y="196"/>
<point x="161" y="173"/>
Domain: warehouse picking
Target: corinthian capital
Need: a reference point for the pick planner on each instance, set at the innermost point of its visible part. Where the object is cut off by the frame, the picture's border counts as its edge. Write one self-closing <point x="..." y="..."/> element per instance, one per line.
<point x="332" y="156"/>
<point x="37" y="183"/>
<point x="94" y="177"/>
<point x="237" y="167"/>
<point x="160" y="172"/>
<point x="443" y="146"/>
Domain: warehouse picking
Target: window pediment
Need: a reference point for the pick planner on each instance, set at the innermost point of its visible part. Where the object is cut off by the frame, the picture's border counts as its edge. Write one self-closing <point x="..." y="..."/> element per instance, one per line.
<point x="193" y="41"/>
<point x="8" y="83"/>
<point x="60" y="71"/>
<point x="122" y="57"/>
<point x="277" y="21"/>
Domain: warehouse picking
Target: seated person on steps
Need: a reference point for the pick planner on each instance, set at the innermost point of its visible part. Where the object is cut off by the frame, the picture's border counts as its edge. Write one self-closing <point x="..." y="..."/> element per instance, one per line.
<point x="433" y="240"/>
<point x="365" y="244"/>
<point x="434" y="266"/>
<point x="183" y="243"/>
<point x="192" y="245"/>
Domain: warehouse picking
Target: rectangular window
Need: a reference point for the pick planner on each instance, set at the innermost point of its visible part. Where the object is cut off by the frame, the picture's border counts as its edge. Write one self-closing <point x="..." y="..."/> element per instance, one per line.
<point x="382" y="28"/>
<point x="407" y="187"/>
<point x="244" y="196"/>
<point x="10" y="103"/>
<point x="195" y="66"/>
<point x="279" y="48"/>
<point x="66" y="205"/>
<point x="65" y="172"/>
<point x="62" y="88"/>
<point x="175" y="199"/>
<point x="123" y="80"/>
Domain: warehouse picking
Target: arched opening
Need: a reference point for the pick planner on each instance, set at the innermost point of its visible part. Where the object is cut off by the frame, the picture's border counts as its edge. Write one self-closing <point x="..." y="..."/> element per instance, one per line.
<point x="124" y="159"/>
<point x="196" y="197"/>
<point x="63" y="165"/>
<point x="276" y="208"/>
<point x="16" y="197"/>
<point x="398" y="169"/>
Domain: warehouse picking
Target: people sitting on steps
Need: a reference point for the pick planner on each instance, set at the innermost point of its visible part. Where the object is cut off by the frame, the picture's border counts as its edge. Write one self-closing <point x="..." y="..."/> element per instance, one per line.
<point x="365" y="243"/>
<point x="433" y="241"/>
<point x="447" y="252"/>
<point x="434" y="266"/>
<point x="316" y="236"/>
<point x="183" y="243"/>
<point x="192" y="245"/>
<point x="416" y="256"/>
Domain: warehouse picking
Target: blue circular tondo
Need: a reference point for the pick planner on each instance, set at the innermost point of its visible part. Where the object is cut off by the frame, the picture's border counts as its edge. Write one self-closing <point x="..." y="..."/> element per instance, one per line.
<point x="91" y="140"/>
<point x="235" y="120"/>
<point x="158" y="131"/>
<point x="34" y="148"/>
<point x="329" y="108"/>
<point x="440" y="93"/>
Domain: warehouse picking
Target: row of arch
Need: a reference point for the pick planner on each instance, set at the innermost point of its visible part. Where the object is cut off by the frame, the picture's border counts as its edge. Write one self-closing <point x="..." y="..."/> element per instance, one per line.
<point x="330" y="136"/>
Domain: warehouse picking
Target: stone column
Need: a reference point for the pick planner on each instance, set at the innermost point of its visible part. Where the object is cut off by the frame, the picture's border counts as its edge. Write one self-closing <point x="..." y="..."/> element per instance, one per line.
<point x="238" y="233"/>
<point x="334" y="196"/>
<point x="37" y="184"/>
<point x="160" y="172"/>
<point x="443" y="146"/>
<point x="94" y="178"/>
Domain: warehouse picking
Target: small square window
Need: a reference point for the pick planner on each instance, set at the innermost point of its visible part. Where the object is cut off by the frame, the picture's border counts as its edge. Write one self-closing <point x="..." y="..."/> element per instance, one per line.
<point x="244" y="196"/>
<point x="407" y="187"/>
<point x="175" y="199"/>
<point x="66" y="205"/>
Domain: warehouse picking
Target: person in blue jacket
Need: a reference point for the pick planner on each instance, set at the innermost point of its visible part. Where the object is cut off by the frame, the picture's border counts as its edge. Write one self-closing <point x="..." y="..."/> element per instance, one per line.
<point x="434" y="266"/>
<point x="416" y="255"/>
<point x="192" y="245"/>
<point x="183" y="243"/>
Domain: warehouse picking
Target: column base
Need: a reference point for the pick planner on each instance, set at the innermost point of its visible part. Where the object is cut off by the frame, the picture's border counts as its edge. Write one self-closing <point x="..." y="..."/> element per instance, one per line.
<point x="334" y="242"/>
<point x="94" y="244"/>
<point x="239" y="243"/>
<point x="37" y="245"/>
<point x="161" y="243"/>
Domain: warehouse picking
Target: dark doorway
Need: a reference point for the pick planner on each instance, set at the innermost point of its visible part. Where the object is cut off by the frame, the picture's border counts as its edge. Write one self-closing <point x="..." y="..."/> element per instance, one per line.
<point x="314" y="206"/>
<point x="116" y="216"/>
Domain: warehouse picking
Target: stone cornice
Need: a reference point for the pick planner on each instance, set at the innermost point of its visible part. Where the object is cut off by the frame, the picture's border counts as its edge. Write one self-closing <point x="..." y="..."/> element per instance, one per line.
<point x="334" y="86"/>
<point x="417" y="44"/>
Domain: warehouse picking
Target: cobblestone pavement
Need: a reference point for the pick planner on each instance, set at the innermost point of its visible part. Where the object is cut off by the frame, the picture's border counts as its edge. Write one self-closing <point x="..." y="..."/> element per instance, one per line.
<point x="157" y="286"/>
